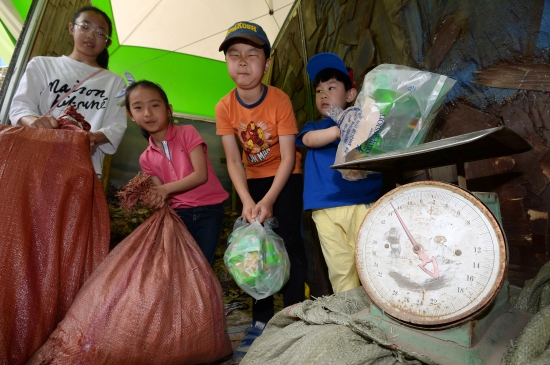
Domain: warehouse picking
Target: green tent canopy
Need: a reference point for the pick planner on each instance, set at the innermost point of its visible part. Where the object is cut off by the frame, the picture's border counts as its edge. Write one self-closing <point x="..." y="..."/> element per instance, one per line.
<point x="175" y="44"/>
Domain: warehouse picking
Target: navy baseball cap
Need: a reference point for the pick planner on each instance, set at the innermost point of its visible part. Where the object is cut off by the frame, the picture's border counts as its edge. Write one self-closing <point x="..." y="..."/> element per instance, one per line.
<point x="251" y="31"/>
<point x="322" y="61"/>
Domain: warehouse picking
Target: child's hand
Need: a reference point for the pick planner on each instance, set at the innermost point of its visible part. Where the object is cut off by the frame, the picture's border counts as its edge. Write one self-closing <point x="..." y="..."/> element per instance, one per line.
<point x="43" y="122"/>
<point x="153" y="201"/>
<point x="248" y="207"/>
<point x="264" y="209"/>
<point x="157" y="197"/>
<point x="161" y="191"/>
<point x="93" y="140"/>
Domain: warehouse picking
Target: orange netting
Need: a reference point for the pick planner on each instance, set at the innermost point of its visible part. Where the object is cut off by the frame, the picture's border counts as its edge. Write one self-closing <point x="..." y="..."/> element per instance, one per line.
<point x="54" y="232"/>
<point x="154" y="300"/>
<point x="135" y="191"/>
<point x="71" y="119"/>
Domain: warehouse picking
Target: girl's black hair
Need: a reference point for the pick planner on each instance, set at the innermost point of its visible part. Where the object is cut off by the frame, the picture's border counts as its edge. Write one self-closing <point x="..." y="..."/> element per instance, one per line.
<point x="332" y="73"/>
<point x="147" y="85"/>
<point x="103" y="57"/>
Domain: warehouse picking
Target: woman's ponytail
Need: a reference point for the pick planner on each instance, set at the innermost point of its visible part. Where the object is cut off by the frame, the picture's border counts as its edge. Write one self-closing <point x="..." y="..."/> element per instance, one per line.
<point x="103" y="59"/>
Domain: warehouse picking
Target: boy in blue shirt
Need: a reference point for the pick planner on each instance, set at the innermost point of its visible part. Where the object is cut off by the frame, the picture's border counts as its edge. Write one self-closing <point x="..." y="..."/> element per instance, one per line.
<point x="338" y="205"/>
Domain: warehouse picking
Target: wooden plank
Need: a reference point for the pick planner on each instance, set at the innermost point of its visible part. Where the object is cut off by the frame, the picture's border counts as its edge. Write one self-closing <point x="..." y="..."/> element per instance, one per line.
<point x="515" y="223"/>
<point x="513" y="210"/>
<point x="299" y="99"/>
<point x="446" y="34"/>
<point x="299" y="83"/>
<point x="533" y="172"/>
<point x="511" y="192"/>
<point x="538" y="106"/>
<point x="443" y="173"/>
<point x="464" y="119"/>
<point x="331" y="25"/>
<point x="522" y="77"/>
<point x="275" y="66"/>
<point x="366" y="16"/>
<point x="489" y="167"/>
<point x="46" y="27"/>
<point x="289" y="79"/>
<point x="545" y="164"/>
<point x="294" y="56"/>
<point x="301" y="118"/>
<point x="348" y="30"/>
<point x="53" y="38"/>
<point x="386" y="47"/>
<point x="282" y="59"/>
<point x="364" y="56"/>
<point x="538" y="221"/>
<point x="312" y="45"/>
<point x="309" y="17"/>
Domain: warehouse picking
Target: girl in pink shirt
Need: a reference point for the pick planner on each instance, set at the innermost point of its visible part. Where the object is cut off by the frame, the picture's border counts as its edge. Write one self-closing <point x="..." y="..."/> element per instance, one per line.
<point x="178" y="164"/>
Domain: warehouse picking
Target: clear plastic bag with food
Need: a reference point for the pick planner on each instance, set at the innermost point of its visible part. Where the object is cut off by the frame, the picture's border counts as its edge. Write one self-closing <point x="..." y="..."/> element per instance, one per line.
<point x="256" y="257"/>
<point x="395" y="109"/>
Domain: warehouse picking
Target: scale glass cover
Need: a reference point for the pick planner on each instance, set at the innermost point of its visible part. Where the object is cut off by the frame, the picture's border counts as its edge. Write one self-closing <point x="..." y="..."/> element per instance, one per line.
<point x="431" y="254"/>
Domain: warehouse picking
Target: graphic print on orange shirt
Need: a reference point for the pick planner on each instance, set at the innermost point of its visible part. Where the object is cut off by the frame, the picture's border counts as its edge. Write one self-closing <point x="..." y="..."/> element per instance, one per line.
<point x="255" y="138"/>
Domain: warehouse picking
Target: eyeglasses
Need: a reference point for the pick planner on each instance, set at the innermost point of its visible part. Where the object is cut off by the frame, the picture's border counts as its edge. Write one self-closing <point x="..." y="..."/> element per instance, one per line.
<point x="86" y="29"/>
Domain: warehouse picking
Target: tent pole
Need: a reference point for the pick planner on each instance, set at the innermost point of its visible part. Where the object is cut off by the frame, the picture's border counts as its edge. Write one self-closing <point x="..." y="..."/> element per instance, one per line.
<point x="311" y="114"/>
<point x="20" y="57"/>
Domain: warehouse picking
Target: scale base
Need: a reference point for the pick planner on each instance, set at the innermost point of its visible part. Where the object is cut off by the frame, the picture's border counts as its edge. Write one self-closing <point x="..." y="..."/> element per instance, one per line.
<point x="480" y="341"/>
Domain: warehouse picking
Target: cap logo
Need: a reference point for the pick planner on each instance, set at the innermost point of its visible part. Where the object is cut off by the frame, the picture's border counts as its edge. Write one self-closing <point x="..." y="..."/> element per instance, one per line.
<point x="241" y="26"/>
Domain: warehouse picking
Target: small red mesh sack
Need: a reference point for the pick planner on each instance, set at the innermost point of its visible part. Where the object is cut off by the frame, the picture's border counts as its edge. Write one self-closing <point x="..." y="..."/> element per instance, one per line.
<point x="54" y="232"/>
<point x="154" y="300"/>
<point x="72" y="119"/>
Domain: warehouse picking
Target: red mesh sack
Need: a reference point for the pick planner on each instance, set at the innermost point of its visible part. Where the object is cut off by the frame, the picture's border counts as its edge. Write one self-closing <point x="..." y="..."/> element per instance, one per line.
<point x="153" y="300"/>
<point x="72" y="119"/>
<point x="54" y="232"/>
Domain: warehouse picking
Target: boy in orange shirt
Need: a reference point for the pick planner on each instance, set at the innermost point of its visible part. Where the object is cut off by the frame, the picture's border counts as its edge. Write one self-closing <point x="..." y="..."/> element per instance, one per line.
<point x="270" y="183"/>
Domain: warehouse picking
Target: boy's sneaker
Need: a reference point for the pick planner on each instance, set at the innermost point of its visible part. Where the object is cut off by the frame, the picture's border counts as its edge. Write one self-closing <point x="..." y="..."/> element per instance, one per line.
<point x="252" y="333"/>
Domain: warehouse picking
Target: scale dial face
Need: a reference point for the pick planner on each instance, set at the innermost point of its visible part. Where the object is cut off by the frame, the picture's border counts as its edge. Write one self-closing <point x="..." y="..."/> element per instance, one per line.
<point x="431" y="254"/>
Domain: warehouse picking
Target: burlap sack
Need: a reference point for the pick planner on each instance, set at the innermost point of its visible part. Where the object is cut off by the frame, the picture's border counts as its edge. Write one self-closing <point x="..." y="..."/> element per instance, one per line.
<point x="154" y="300"/>
<point x="54" y="232"/>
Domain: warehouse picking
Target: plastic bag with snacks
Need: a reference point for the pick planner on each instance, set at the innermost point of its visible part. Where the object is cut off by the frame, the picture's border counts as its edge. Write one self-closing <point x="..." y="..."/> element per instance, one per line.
<point x="395" y="109"/>
<point x="257" y="258"/>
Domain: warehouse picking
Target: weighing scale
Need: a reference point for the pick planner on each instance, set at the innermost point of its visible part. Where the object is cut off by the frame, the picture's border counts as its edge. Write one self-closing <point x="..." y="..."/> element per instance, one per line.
<point x="433" y="258"/>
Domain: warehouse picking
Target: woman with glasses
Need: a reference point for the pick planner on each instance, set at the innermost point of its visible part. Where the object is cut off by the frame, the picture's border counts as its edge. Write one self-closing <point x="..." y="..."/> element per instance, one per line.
<point x="47" y="79"/>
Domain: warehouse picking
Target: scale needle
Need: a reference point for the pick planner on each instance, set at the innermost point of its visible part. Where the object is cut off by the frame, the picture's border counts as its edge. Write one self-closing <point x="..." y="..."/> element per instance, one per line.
<point x="418" y="249"/>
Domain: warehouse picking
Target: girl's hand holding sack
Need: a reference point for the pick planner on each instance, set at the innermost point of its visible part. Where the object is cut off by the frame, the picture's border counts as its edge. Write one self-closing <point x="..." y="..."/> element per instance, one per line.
<point x="72" y="119"/>
<point x="257" y="258"/>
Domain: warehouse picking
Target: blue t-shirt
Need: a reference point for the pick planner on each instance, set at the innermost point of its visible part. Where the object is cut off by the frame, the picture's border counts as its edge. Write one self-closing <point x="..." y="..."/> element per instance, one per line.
<point x="325" y="187"/>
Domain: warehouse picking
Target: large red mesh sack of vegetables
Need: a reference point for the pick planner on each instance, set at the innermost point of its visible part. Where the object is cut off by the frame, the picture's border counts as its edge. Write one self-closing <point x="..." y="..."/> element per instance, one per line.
<point x="153" y="300"/>
<point x="54" y="232"/>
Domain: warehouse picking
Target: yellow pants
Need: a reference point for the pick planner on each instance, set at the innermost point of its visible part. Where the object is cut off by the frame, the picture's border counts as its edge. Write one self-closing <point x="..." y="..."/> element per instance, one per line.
<point x="338" y="228"/>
